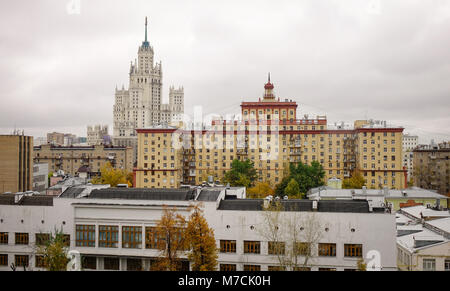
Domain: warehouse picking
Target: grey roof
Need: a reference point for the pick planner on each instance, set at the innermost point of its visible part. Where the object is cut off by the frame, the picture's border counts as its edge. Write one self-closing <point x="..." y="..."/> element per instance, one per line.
<point x="72" y="192"/>
<point x="143" y="194"/>
<point x="208" y="195"/>
<point x="402" y="232"/>
<point x="34" y="200"/>
<point x="350" y="206"/>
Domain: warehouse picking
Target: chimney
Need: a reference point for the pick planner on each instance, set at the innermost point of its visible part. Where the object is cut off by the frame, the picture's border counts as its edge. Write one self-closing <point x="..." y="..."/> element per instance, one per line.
<point x="385" y="191"/>
<point x="314" y="205"/>
<point x="364" y="190"/>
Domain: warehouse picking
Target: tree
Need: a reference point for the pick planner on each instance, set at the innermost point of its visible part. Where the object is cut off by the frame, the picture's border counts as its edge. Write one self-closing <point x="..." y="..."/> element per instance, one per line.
<point x="292" y="189"/>
<point x="307" y="177"/>
<point x="113" y="177"/>
<point x="54" y="252"/>
<point x="201" y="241"/>
<point x="355" y="182"/>
<point x="171" y="240"/>
<point x="295" y="233"/>
<point x="361" y="265"/>
<point x="242" y="173"/>
<point x="260" y="190"/>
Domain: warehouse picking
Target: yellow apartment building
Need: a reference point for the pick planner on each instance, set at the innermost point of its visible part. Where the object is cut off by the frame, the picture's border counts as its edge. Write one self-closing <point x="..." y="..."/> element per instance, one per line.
<point x="16" y="163"/>
<point x="270" y="135"/>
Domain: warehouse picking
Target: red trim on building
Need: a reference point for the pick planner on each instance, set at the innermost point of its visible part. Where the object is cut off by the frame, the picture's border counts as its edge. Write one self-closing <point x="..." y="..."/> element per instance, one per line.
<point x="149" y="130"/>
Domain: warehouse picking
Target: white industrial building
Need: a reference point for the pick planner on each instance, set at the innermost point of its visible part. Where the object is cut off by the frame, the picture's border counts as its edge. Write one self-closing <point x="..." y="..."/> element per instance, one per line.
<point x="237" y="222"/>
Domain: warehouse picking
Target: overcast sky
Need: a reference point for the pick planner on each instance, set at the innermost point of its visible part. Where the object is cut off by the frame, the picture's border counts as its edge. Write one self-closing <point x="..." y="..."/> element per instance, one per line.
<point x="380" y="59"/>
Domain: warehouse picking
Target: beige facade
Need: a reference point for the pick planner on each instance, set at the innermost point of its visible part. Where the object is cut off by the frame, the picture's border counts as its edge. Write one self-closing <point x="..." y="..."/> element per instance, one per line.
<point x="271" y="137"/>
<point x="159" y="164"/>
<point x="432" y="167"/>
<point x="70" y="159"/>
<point x="16" y="163"/>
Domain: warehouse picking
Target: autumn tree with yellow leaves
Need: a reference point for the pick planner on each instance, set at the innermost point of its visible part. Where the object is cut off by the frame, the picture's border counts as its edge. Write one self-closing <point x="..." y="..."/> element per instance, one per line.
<point x="201" y="242"/>
<point x="260" y="190"/>
<point x="170" y="233"/>
<point x="113" y="177"/>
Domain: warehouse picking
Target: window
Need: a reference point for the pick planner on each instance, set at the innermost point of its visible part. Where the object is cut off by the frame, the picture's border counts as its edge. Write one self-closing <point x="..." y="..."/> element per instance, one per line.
<point x="302" y="269"/>
<point x="111" y="263"/>
<point x="353" y="250"/>
<point x="152" y="241"/>
<point x="252" y="247"/>
<point x="429" y="264"/>
<point x="249" y="268"/>
<point x="276" y="248"/>
<point x="302" y="249"/>
<point x="227" y="246"/>
<point x="3" y="238"/>
<point x="42" y="238"/>
<point x="327" y="250"/>
<point x="276" y="268"/>
<point x="21" y="260"/>
<point x="39" y="262"/>
<point x="108" y="236"/>
<point x="227" y="267"/>
<point x="3" y="260"/>
<point x="21" y="238"/>
<point x="132" y="237"/>
<point x="89" y="263"/>
<point x="134" y="265"/>
<point x="66" y="240"/>
<point x="85" y="235"/>
<point x="447" y="265"/>
<point x="327" y="269"/>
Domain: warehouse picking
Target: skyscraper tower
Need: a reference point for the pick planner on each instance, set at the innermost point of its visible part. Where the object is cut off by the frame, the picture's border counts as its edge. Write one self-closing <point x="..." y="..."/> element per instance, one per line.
<point x="140" y="106"/>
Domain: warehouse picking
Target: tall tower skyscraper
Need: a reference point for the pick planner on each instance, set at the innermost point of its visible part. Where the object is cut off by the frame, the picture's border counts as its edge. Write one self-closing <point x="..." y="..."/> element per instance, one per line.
<point x="140" y="106"/>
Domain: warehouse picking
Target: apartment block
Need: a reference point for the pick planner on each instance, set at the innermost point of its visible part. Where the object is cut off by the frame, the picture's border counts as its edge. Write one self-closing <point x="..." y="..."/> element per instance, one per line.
<point x="16" y="163"/>
<point x="270" y="135"/>
<point x="71" y="159"/>
<point x="432" y="167"/>
<point x="410" y="142"/>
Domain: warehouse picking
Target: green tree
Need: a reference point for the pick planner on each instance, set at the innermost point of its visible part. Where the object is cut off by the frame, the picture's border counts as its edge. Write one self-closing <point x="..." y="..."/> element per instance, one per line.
<point x="113" y="176"/>
<point x="54" y="252"/>
<point x="355" y="182"/>
<point x="200" y="239"/>
<point x="242" y="173"/>
<point x="306" y="176"/>
<point x="292" y="189"/>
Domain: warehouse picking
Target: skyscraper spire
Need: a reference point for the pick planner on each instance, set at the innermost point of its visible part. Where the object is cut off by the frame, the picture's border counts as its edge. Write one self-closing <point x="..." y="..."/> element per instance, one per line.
<point x="145" y="28"/>
<point x="269" y="77"/>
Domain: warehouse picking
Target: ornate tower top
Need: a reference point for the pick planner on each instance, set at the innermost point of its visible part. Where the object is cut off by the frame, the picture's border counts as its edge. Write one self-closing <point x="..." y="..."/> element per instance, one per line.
<point x="268" y="95"/>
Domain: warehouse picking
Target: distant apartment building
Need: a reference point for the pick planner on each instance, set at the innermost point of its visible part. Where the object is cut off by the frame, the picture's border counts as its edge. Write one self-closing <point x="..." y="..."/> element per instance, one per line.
<point x="410" y="142"/>
<point x="271" y="136"/>
<point x="432" y="167"/>
<point x="61" y="139"/>
<point x="16" y="163"/>
<point x="114" y="229"/>
<point x="97" y="135"/>
<point x="40" y="177"/>
<point x="71" y="159"/>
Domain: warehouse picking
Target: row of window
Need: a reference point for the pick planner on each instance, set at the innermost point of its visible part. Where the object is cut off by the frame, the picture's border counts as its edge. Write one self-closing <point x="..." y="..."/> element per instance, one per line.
<point x="108" y="237"/>
<point x="301" y="248"/>
<point x="23" y="238"/>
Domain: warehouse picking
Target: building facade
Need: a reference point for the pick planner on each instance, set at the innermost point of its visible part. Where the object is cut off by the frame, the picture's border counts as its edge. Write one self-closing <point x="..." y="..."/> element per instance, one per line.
<point x="16" y="163"/>
<point x="97" y="134"/>
<point x="271" y="136"/>
<point x="410" y="142"/>
<point x="40" y="177"/>
<point x="71" y="159"/>
<point x="141" y="105"/>
<point x="432" y="167"/>
<point x="113" y="229"/>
